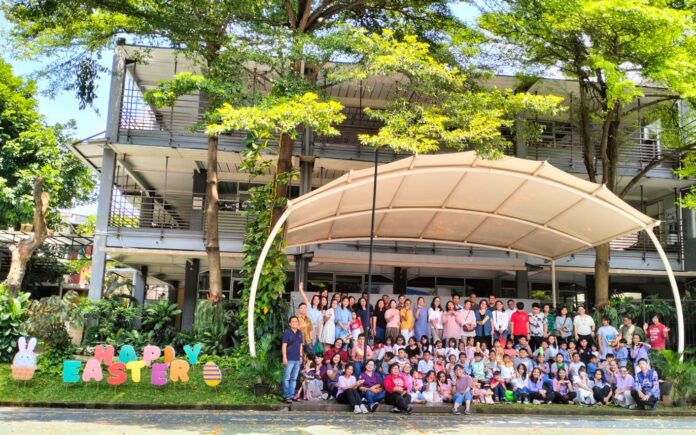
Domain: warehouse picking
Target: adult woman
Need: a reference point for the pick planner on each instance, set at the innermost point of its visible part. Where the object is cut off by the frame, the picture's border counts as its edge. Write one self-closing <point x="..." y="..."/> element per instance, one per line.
<point x="435" y="319"/>
<point x="397" y="393"/>
<point x="656" y="333"/>
<point x="584" y="325"/>
<point x="328" y="332"/>
<point x="563" y="325"/>
<point x="622" y="392"/>
<point x="420" y="328"/>
<point x="585" y="395"/>
<point x="601" y="390"/>
<point x="348" y="391"/>
<point x="343" y="318"/>
<point x="314" y="313"/>
<point x="330" y="373"/>
<point x="562" y="388"/>
<point x="537" y="391"/>
<point x="548" y="315"/>
<point x="379" y="323"/>
<point x="371" y="389"/>
<point x="468" y="320"/>
<point x="639" y="350"/>
<point x="483" y="323"/>
<point x="500" y="322"/>
<point x="407" y="319"/>
<point x="452" y="326"/>
<point x="337" y="349"/>
<point x="393" y="320"/>
<point x="412" y="348"/>
<point x="362" y="310"/>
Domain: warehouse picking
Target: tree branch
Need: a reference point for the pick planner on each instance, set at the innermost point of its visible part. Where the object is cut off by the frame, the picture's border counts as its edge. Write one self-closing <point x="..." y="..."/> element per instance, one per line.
<point x="292" y="18"/>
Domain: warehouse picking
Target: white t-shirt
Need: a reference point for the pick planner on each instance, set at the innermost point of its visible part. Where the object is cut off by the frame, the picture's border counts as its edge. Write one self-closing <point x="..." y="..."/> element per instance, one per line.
<point x="583" y="324"/>
<point x="435" y="315"/>
<point x="501" y="320"/>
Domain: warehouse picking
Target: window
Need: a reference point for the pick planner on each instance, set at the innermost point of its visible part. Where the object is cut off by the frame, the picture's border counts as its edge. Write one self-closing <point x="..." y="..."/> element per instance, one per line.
<point x="349" y="283"/>
<point x="231" y="284"/>
<point x="319" y="281"/>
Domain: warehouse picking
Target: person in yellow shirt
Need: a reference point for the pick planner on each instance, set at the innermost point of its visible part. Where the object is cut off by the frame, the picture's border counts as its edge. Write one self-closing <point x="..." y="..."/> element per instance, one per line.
<point x="407" y="320"/>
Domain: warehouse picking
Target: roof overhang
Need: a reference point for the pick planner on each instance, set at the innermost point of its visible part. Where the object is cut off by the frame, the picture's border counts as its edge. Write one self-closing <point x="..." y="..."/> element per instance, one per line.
<point x="511" y="204"/>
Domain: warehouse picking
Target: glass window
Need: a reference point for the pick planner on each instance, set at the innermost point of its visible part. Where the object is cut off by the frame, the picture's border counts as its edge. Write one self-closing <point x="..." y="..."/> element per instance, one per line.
<point x="319" y="281"/>
<point x="349" y="283"/>
<point x="479" y="286"/>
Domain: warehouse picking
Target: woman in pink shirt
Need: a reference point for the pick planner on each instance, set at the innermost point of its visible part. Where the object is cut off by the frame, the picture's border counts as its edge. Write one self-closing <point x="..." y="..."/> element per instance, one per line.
<point x="451" y="323"/>
<point x="348" y="391"/>
<point x="393" y="320"/>
<point x="468" y="317"/>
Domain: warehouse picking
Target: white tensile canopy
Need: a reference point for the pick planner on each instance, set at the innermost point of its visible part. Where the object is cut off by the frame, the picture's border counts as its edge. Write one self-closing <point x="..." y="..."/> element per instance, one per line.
<point x="510" y="204"/>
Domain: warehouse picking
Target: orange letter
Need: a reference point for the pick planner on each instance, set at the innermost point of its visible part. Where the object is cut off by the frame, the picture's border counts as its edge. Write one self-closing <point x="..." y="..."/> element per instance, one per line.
<point x="178" y="371"/>
<point x="118" y="374"/>
<point x="169" y="354"/>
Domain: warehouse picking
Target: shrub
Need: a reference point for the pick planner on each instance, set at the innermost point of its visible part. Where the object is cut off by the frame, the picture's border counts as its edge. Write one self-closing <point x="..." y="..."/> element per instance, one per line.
<point x="13" y="311"/>
<point x="158" y="319"/>
<point x="48" y="317"/>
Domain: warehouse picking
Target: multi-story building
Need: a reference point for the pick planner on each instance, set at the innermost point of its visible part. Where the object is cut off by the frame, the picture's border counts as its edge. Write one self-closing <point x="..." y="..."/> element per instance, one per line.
<point x="152" y="197"/>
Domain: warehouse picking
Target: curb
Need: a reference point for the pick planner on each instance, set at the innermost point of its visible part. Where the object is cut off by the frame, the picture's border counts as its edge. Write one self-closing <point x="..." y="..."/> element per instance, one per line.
<point x="153" y="406"/>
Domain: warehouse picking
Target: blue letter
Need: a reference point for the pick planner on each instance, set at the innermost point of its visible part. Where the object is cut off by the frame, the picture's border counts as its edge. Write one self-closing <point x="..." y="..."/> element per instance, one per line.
<point x="127" y="354"/>
<point x="70" y="371"/>
<point x="192" y="354"/>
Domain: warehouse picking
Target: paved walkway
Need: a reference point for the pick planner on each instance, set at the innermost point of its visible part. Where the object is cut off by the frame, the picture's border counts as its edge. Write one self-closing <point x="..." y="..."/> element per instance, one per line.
<point x="55" y="421"/>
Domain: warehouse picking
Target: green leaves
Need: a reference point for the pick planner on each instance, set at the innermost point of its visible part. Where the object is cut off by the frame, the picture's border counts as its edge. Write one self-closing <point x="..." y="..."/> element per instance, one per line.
<point x="13" y="311"/>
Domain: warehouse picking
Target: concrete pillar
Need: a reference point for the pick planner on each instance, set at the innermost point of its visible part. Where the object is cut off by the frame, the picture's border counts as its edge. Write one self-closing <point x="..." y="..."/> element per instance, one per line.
<point x="140" y="284"/>
<point x="198" y="199"/>
<point x="522" y="281"/>
<point x="190" y="294"/>
<point x="106" y="183"/>
<point x="400" y="280"/>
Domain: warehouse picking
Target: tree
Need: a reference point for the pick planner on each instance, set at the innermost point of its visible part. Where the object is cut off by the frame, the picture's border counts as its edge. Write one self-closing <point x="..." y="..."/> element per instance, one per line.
<point x="632" y="60"/>
<point x="214" y="34"/>
<point x="35" y="165"/>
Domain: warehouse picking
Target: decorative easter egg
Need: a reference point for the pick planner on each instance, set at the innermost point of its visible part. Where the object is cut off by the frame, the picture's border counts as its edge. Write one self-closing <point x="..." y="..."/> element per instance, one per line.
<point x="24" y="362"/>
<point x="212" y="374"/>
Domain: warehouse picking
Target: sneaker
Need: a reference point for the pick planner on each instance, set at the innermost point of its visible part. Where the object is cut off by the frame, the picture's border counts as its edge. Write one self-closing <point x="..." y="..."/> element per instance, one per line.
<point x="288" y="400"/>
<point x="632" y="407"/>
<point x="456" y="411"/>
<point x="363" y="408"/>
<point x="396" y="410"/>
<point x="374" y="406"/>
<point x="525" y="402"/>
<point x="409" y="410"/>
<point x="325" y="396"/>
<point x="536" y="402"/>
<point x="357" y="410"/>
<point x="467" y="411"/>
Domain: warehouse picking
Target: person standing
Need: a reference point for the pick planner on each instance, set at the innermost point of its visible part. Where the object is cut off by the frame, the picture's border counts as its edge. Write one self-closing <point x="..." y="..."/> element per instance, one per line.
<point x="379" y="322"/>
<point x="420" y="328"/>
<point x="657" y="333"/>
<point x="291" y="350"/>
<point x="451" y="322"/>
<point x="607" y="337"/>
<point x="407" y="320"/>
<point x="563" y="326"/>
<point x="305" y="325"/>
<point x="584" y="326"/>
<point x="483" y="323"/>
<point x="393" y="319"/>
<point x="628" y="329"/>
<point x="468" y="321"/>
<point x="314" y="312"/>
<point x="519" y="323"/>
<point x="538" y="328"/>
<point x="500" y="322"/>
<point x="435" y="319"/>
<point x="342" y="317"/>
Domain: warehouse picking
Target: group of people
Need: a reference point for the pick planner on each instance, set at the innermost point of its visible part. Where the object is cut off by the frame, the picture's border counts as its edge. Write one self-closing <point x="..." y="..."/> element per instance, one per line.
<point x="469" y="352"/>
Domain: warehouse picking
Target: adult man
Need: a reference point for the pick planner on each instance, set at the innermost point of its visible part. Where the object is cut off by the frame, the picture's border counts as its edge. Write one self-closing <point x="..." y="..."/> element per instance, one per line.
<point x="519" y="323"/>
<point x="305" y="326"/>
<point x="538" y="327"/>
<point x="606" y="338"/>
<point x="628" y="329"/>
<point x="292" y="358"/>
<point x="584" y="326"/>
<point x="462" y="391"/>
<point x="646" y="386"/>
<point x="510" y="310"/>
<point x="491" y="301"/>
<point x="473" y="299"/>
<point x="455" y="301"/>
<point x="402" y="302"/>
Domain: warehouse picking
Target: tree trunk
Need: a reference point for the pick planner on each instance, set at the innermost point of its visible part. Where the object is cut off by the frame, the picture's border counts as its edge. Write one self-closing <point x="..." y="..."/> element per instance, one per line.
<point x="212" y="240"/>
<point x="283" y="166"/>
<point x="26" y="247"/>
<point x="602" y="274"/>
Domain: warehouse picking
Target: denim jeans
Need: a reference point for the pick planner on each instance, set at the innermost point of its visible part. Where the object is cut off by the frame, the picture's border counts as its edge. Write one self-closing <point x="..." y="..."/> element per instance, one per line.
<point x="373" y="397"/>
<point x="379" y="333"/>
<point x="459" y="398"/>
<point x="357" y="369"/>
<point x="290" y="372"/>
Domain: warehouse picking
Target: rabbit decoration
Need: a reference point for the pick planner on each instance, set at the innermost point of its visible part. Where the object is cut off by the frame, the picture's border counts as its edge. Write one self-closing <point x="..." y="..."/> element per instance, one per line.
<point x="24" y="363"/>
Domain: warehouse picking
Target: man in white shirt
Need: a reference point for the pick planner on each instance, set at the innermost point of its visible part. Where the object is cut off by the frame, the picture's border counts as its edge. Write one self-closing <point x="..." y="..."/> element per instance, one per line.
<point x="511" y="308"/>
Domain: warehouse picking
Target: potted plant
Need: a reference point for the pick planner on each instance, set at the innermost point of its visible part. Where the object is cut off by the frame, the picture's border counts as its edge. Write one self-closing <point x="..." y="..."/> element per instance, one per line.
<point x="265" y="371"/>
<point x="678" y="377"/>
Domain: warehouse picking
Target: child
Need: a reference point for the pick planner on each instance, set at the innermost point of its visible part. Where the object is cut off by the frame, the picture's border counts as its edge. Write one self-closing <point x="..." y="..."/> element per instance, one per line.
<point x="543" y="367"/>
<point x="417" y="388"/>
<point x="426" y="364"/>
<point x="425" y="345"/>
<point x="356" y="327"/>
<point x="470" y="348"/>
<point x="510" y="349"/>
<point x="439" y="365"/>
<point x="622" y="353"/>
<point x="452" y="349"/>
<point x="388" y="358"/>
<point x="451" y="365"/>
<point x="478" y="370"/>
<point x="430" y="389"/>
<point x="439" y="350"/>
<point x="524" y="359"/>
<point x="558" y="365"/>
<point x="575" y="366"/>
<point x="464" y="363"/>
<point x="400" y="343"/>
<point x="543" y="347"/>
<point x="389" y="345"/>
<point x="491" y="365"/>
<point x="498" y="350"/>
<point x="563" y="351"/>
<point x="483" y="348"/>
<point x="592" y="366"/>
<point x="444" y="387"/>
<point x="551" y="350"/>
<point x="498" y="387"/>
<point x="507" y="369"/>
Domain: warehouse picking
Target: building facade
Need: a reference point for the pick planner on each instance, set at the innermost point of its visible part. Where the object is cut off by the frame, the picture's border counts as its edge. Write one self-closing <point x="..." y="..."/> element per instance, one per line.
<point x="151" y="205"/>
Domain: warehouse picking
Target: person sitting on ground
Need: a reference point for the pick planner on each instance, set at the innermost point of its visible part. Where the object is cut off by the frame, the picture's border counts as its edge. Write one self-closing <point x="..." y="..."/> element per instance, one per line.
<point x="444" y="387"/>
<point x="601" y="390"/>
<point x="463" y="385"/>
<point x="371" y="388"/>
<point x="624" y="386"/>
<point x="330" y="373"/>
<point x="498" y="387"/>
<point x="430" y="388"/>
<point x="396" y="391"/>
<point x="519" y="385"/>
<point x="510" y="349"/>
<point x="478" y="370"/>
<point x="507" y="371"/>
<point x="558" y="365"/>
<point x="312" y="384"/>
<point x="416" y="390"/>
<point x="358" y="352"/>
<point x="524" y="359"/>
<point x="426" y="364"/>
<point x="544" y="368"/>
<point x="593" y="365"/>
<point x="585" y="351"/>
<point x="575" y="366"/>
<point x="646" y="386"/>
<point x="412" y="348"/>
<point x="523" y="343"/>
<point x="491" y="365"/>
<point x="439" y="365"/>
<point x="563" y="388"/>
<point x="563" y="351"/>
<point x="348" y="391"/>
<point x="337" y="350"/>
<point x="537" y="392"/>
<point x="400" y="343"/>
<point x="581" y="382"/>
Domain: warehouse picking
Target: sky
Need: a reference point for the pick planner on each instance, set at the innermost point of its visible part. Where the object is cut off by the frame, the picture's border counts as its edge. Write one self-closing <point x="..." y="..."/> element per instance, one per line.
<point x="64" y="106"/>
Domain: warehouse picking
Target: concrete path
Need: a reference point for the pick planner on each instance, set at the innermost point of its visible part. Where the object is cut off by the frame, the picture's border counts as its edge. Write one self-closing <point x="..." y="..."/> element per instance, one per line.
<point x="73" y="421"/>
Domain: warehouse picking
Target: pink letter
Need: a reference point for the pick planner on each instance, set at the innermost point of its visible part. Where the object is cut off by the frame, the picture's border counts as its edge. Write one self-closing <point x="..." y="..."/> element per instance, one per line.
<point x="151" y="353"/>
<point x="159" y="374"/>
<point x="92" y="371"/>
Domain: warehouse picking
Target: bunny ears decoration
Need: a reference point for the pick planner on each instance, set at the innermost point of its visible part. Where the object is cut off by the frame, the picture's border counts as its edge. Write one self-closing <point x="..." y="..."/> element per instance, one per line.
<point x="24" y="362"/>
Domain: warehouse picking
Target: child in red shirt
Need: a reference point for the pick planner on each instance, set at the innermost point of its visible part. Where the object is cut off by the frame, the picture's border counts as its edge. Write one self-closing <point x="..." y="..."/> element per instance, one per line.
<point x="520" y="322"/>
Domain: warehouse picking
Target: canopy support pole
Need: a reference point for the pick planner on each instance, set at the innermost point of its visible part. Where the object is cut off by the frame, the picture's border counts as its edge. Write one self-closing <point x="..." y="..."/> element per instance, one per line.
<point x="369" y="261"/>
<point x="675" y="291"/>
<point x="257" y="276"/>
<point x="554" y="290"/>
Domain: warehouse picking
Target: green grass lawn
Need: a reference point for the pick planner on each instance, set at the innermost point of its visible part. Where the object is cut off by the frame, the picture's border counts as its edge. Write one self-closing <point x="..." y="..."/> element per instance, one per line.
<point x="45" y="388"/>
